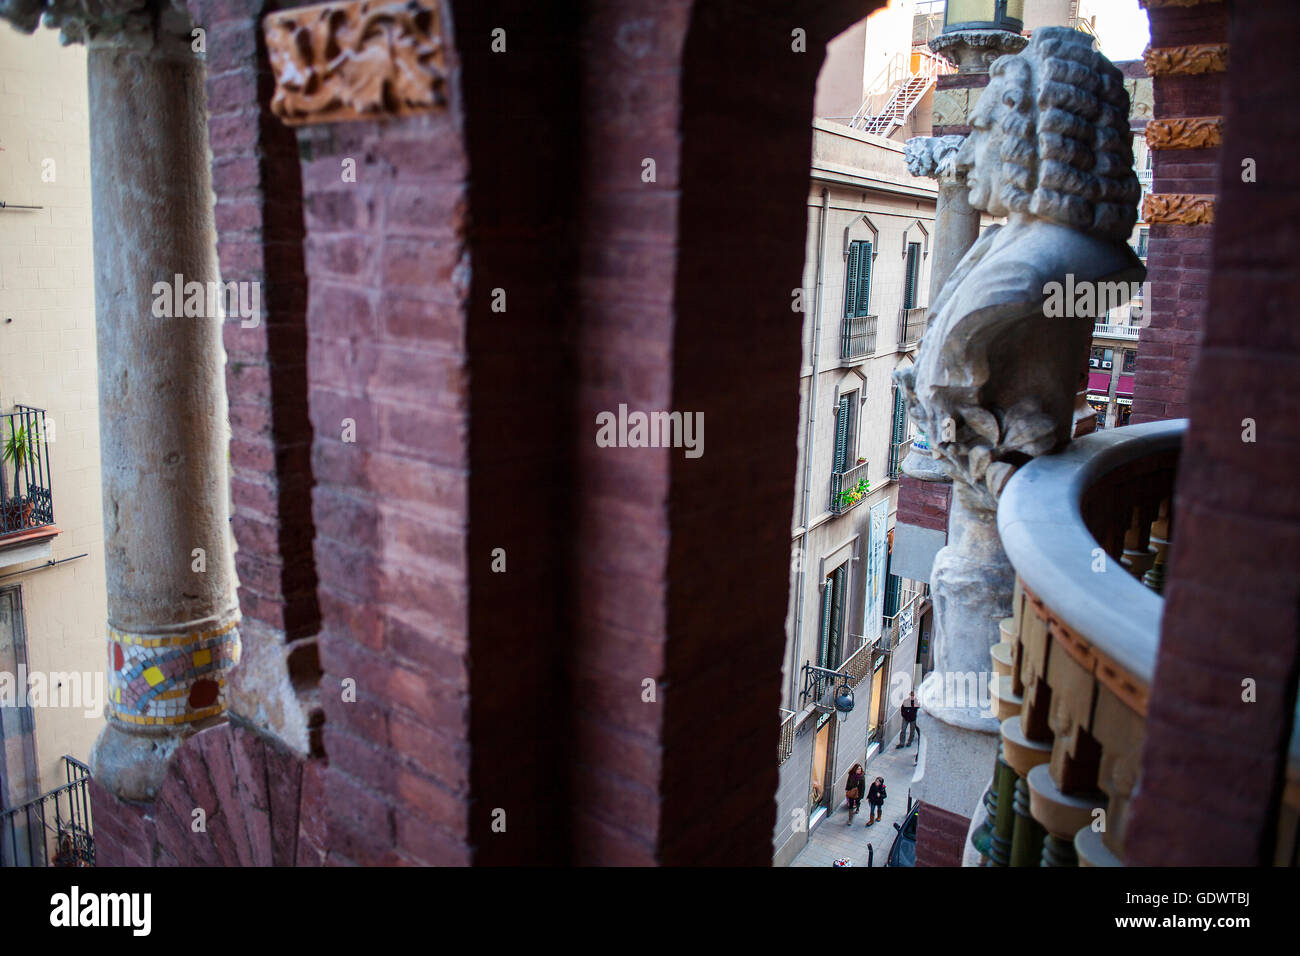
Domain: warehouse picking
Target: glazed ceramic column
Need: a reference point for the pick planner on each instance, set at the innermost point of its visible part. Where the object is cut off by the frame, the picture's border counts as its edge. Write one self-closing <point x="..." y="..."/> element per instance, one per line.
<point x="172" y="609"/>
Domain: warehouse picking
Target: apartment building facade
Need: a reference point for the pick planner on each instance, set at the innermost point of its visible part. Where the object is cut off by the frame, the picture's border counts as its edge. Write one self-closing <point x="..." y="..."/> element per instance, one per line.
<point x="852" y="624"/>
<point x="52" y="586"/>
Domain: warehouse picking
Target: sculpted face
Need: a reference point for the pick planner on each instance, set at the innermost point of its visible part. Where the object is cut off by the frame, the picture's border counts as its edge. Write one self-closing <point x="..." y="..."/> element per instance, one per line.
<point x="980" y="156"/>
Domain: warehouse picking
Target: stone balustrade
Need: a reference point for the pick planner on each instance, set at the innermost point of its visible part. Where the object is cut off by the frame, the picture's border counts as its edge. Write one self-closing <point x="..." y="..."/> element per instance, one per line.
<point x="1086" y="531"/>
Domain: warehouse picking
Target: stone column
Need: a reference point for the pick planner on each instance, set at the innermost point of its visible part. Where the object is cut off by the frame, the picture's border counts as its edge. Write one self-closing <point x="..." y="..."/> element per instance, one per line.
<point x="172" y="608"/>
<point x="956" y="227"/>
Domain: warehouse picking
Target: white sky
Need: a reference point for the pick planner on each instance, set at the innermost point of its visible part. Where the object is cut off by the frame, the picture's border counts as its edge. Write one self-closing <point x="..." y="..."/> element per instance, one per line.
<point x="1122" y="31"/>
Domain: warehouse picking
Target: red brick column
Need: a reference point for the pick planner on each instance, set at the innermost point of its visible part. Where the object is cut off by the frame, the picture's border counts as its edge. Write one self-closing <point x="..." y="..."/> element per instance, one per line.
<point x="1178" y="256"/>
<point x="1213" y="764"/>
<point x="924" y="504"/>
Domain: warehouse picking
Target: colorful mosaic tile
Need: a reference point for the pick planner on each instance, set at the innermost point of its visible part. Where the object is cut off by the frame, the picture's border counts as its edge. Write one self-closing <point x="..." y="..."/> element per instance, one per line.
<point x="170" y="679"/>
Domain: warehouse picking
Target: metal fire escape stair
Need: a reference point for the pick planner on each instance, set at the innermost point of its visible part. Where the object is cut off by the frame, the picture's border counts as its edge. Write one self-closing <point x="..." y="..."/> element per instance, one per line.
<point x="906" y="89"/>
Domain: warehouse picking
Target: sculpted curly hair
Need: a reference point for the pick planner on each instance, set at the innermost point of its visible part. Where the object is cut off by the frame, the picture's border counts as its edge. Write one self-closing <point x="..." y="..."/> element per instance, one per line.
<point x="1068" y="150"/>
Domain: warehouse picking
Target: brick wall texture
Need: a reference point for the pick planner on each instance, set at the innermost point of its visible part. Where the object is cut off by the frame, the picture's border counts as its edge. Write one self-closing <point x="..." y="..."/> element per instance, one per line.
<point x="1213" y="764"/>
<point x="1178" y="256"/>
<point x="394" y="435"/>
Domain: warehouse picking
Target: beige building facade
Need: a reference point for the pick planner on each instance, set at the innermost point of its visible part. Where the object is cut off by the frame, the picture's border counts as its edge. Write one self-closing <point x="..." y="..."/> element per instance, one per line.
<point x="850" y="623"/>
<point x="52" y="590"/>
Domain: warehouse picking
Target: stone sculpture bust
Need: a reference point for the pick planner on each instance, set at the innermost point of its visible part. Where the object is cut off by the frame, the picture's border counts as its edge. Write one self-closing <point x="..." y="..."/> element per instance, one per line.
<point x="1050" y="149"/>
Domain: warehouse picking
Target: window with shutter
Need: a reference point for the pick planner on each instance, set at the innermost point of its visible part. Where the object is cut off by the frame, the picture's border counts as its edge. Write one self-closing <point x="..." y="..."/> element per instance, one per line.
<point x="864" y="278"/>
<point x="893" y="592"/>
<point x="842" y="423"/>
<point x="900" y="417"/>
<point x="913" y="274"/>
<point x="832" y="619"/>
<point x="851" y="282"/>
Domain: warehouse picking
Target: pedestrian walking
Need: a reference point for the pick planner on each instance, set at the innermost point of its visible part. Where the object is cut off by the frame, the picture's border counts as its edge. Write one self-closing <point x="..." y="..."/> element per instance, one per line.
<point x="909" y="721"/>
<point x="876" y="801"/>
<point x="855" y="790"/>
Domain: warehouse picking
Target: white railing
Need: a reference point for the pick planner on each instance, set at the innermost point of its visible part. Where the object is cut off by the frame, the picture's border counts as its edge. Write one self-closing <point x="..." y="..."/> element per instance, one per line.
<point x="1115" y="330"/>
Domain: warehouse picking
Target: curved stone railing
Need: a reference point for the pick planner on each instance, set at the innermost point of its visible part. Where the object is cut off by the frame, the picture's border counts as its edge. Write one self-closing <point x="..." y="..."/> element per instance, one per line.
<point x="1086" y="531"/>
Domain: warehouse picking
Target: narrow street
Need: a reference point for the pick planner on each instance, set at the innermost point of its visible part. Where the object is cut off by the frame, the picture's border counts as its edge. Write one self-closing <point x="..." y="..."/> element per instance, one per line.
<point x="833" y="839"/>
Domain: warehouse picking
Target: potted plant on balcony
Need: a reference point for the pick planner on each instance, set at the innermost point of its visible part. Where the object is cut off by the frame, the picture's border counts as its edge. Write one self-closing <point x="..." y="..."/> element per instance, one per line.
<point x="851" y="496"/>
<point x="20" y="450"/>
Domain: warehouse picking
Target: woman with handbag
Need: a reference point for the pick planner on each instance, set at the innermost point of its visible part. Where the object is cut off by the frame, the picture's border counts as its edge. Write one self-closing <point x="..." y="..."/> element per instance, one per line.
<point x="854" y="790"/>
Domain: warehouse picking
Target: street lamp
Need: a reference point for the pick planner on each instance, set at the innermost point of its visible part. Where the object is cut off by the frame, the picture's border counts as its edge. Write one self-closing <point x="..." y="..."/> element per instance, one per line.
<point x="843" y="701"/>
<point x="1006" y="15"/>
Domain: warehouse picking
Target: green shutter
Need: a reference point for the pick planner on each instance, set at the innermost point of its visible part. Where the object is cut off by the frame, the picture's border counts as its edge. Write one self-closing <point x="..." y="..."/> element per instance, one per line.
<point x="893" y="591"/>
<point x="842" y="435"/>
<point x="913" y="269"/>
<point x="864" y="279"/>
<point x="827" y="598"/>
<point x="900" y="416"/>
<point x="851" y="282"/>
<point x="837" y="617"/>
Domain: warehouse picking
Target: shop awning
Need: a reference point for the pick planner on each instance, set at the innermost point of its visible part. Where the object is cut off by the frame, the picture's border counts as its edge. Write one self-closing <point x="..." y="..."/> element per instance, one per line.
<point x="1099" y="382"/>
<point x="1125" y="386"/>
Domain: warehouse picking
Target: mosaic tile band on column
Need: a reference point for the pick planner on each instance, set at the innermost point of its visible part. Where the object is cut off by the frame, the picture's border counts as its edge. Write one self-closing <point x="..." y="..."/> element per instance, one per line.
<point x="170" y="680"/>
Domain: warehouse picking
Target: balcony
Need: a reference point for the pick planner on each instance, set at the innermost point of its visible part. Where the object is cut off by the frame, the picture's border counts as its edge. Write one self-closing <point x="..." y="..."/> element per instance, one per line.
<point x="857" y="336"/>
<point x="1087" y="532"/>
<point x="911" y="326"/>
<point x="1108" y="330"/>
<point x="849" y="488"/>
<point x="53" y="829"/>
<point x="820" y="683"/>
<point x="897" y="452"/>
<point x="785" y="749"/>
<point x="899" y="626"/>
<point x="26" y="498"/>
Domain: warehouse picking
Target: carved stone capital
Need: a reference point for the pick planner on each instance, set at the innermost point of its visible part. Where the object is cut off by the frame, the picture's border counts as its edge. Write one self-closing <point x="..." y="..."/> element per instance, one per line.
<point x="1186" y="60"/>
<point x="1178" y="209"/>
<point x="933" y="156"/>
<point x="136" y="23"/>
<point x="356" y="60"/>
<point x="1185" y="132"/>
<point x="973" y="51"/>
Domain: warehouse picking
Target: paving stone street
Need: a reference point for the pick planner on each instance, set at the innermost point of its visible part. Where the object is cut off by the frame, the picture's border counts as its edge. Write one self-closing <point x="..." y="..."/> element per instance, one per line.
<point x="832" y="839"/>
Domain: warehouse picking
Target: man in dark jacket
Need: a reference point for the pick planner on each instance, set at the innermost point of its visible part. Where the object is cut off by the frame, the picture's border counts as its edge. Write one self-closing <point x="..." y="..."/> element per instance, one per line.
<point x="909" y="709"/>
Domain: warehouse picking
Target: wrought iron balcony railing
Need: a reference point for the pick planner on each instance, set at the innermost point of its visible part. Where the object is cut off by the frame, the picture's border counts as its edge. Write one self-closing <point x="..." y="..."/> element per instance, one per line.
<point x="897" y="452"/>
<point x="911" y="326"/>
<point x="899" y="626"/>
<point x="820" y="683"/>
<point x="849" y="488"/>
<point x="1078" y="654"/>
<point x="858" y="336"/>
<point x="53" y="829"/>
<point x="26" y="497"/>
<point x="786" y="748"/>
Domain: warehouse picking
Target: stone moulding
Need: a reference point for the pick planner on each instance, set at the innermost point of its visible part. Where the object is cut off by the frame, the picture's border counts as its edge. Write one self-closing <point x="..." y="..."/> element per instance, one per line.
<point x="1185" y="132"/>
<point x="1186" y="60"/>
<point x="1178" y="209"/>
<point x="365" y="59"/>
